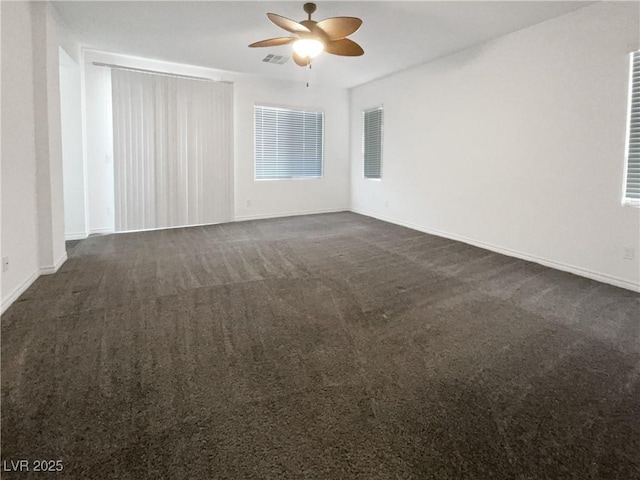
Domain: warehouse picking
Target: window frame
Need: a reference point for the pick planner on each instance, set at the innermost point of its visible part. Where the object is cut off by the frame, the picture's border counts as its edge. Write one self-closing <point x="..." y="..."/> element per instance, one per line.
<point x="292" y="109"/>
<point x="628" y="201"/>
<point x="364" y="114"/>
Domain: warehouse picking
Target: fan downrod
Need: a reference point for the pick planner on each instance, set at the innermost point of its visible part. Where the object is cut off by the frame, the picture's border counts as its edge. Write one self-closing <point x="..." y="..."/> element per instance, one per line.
<point x="309" y="8"/>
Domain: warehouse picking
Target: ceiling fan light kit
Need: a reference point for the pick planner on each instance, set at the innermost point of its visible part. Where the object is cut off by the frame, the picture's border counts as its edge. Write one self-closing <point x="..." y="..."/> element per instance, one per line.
<point x="308" y="47"/>
<point x="310" y="38"/>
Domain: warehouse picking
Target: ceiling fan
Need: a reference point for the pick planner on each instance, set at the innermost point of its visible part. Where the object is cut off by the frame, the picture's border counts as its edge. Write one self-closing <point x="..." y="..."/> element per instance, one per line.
<point x="310" y="38"/>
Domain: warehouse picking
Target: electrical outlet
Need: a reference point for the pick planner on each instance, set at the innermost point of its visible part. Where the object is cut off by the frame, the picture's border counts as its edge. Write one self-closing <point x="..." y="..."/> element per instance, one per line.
<point x="386" y="204"/>
<point x="5" y="264"/>
<point x="248" y="203"/>
<point x="628" y="253"/>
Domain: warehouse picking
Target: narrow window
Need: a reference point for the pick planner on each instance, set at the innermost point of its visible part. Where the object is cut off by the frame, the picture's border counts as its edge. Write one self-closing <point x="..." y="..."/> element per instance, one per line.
<point x="372" y="142"/>
<point x="288" y="143"/>
<point x="632" y="168"/>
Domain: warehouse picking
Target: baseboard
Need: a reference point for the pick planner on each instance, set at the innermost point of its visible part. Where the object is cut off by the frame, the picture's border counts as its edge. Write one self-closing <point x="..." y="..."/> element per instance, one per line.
<point x="76" y="236"/>
<point x="19" y="290"/>
<point x="243" y="218"/>
<point x="48" y="270"/>
<point x="101" y="231"/>
<point x="600" y="277"/>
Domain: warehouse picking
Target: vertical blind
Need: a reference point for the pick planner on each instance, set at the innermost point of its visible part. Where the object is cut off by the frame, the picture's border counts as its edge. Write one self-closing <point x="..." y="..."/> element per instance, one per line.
<point x="632" y="184"/>
<point x="372" y="142"/>
<point x="173" y="150"/>
<point x="288" y="143"/>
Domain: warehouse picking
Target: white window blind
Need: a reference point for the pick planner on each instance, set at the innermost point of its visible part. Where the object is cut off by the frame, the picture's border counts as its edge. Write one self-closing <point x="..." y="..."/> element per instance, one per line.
<point x="288" y="143"/>
<point x="173" y="151"/>
<point x="372" y="142"/>
<point x="632" y="180"/>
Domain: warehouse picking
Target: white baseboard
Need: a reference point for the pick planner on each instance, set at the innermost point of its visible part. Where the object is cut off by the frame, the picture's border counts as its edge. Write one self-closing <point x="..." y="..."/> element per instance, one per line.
<point x="101" y="231"/>
<point x="76" y="236"/>
<point x="163" y="228"/>
<point x="243" y="218"/>
<point x="48" y="270"/>
<point x="19" y="290"/>
<point x="583" y="272"/>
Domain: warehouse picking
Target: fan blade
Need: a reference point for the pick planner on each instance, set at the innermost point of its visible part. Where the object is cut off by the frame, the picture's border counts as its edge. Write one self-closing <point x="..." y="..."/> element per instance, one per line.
<point x="338" y="28"/>
<point x="303" y="62"/>
<point x="273" y="42"/>
<point x="310" y="24"/>
<point x="345" y="47"/>
<point x="288" y="24"/>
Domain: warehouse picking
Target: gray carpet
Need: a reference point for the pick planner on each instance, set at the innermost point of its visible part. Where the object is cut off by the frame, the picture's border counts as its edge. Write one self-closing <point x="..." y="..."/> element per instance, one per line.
<point x="70" y="245"/>
<point x="319" y="347"/>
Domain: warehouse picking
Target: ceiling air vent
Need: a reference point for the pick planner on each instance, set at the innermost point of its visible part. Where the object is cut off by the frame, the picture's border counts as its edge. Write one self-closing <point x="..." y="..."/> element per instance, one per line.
<point x="277" y="59"/>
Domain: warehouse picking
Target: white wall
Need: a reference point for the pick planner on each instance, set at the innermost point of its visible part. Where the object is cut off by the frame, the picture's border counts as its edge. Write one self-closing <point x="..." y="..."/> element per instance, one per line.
<point x="57" y="38"/>
<point x="253" y="199"/>
<point x="516" y="145"/>
<point x="32" y="193"/>
<point x="98" y="149"/>
<point x="72" y="147"/>
<point x="48" y="34"/>
<point x="1" y="153"/>
<point x="19" y="209"/>
<point x="269" y="198"/>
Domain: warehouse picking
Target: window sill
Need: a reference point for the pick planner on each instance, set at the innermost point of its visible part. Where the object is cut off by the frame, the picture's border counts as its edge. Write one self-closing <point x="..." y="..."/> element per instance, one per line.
<point x="285" y="179"/>
<point x="631" y="202"/>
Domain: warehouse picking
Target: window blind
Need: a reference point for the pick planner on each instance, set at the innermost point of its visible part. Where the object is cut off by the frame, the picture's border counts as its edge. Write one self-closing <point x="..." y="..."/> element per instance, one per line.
<point x="172" y="151"/>
<point x="372" y="140"/>
<point x="288" y="143"/>
<point x="632" y="183"/>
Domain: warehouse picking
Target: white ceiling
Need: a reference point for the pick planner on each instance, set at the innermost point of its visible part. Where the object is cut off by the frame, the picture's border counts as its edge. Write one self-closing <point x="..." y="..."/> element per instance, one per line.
<point x="395" y="35"/>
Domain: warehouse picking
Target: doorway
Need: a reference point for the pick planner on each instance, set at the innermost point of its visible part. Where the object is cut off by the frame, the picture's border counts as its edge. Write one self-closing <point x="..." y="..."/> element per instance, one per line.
<point x="72" y="148"/>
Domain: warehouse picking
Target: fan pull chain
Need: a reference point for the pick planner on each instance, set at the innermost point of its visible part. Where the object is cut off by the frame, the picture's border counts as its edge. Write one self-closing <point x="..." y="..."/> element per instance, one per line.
<point x="309" y="73"/>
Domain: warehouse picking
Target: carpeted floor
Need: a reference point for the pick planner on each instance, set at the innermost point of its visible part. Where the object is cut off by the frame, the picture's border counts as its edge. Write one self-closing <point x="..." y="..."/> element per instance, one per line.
<point x="320" y="347"/>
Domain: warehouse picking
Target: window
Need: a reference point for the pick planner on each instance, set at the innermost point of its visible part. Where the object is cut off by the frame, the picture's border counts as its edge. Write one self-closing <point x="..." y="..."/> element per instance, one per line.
<point x="288" y="143"/>
<point x="372" y="142"/>
<point x="632" y="170"/>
